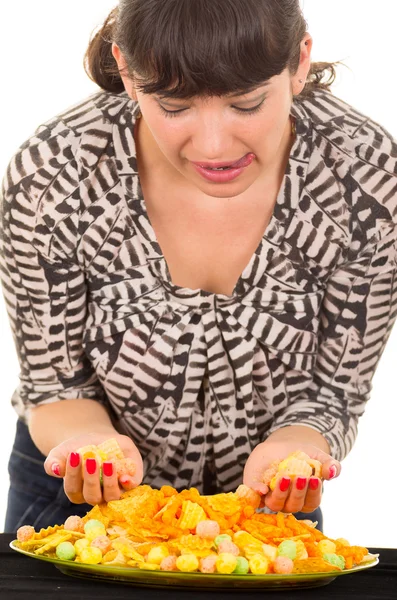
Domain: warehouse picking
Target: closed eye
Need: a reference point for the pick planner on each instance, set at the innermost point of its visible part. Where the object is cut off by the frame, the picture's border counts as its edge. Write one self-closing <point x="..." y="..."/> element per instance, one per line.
<point x="247" y="111"/>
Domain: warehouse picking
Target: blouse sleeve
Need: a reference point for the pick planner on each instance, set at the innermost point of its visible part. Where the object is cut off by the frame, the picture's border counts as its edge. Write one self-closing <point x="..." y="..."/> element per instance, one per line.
<point x="358" y="311"/>
<point x="43" y="284"/>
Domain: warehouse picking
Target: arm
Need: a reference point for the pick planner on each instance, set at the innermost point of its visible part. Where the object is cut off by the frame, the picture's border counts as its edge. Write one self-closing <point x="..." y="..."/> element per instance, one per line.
<point x="51" y="424"/>
<point x="358" y="312"/>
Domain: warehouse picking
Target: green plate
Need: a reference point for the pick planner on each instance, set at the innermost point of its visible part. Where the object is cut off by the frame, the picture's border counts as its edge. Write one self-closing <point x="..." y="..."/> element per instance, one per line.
<point x="161" y="579"/>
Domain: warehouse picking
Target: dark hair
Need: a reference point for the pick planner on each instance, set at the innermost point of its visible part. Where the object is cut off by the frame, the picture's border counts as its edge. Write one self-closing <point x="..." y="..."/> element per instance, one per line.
<point x="185" y="48"/>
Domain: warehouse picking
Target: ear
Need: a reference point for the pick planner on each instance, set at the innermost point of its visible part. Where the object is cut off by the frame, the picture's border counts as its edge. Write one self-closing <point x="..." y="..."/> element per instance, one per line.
<point x="122" y="66"/>
<point x="304" y="65"/>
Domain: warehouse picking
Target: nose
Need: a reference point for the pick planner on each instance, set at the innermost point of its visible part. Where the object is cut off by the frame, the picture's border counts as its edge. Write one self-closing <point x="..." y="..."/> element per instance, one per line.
<point x="212" y="139"/>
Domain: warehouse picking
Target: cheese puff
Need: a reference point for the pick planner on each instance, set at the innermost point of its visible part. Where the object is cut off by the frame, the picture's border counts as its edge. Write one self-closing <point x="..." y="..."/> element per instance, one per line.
<point x="187" y="563"/>
<point x="80" y="544"/>
<point x="74" y="523"/>
<point x="25" y="533"/>
<point x="208" y="564"/>
<point x="283" y="565"/>
<point x="228" y="547"/>
<point x="157" y="554"/>
<point x="168" y="563"/>
<point x="259" y="564"/>
<point x="91" y="556"/>
<point x="226" y="563"/>
<point x="102" y="542"/>
<point x="208" y="529"/>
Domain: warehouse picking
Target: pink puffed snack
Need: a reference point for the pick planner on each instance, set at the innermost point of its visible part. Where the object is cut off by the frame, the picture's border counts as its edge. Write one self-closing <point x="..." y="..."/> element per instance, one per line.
<point x="25" y="533"/>
<point x="208" y="564"/>
<point x="229" y="547"/>
<point x="168" y="563"/>
<point x="103" y="543"/>
<point x="283" y="565"/>
<point x="125" y="466"/>
<point x="208" y="529"/>
<point x="74" y="523"/>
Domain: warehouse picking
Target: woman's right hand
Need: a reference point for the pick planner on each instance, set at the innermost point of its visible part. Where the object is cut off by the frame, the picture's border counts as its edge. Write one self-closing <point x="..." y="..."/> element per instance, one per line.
<point x="82" y="484"/>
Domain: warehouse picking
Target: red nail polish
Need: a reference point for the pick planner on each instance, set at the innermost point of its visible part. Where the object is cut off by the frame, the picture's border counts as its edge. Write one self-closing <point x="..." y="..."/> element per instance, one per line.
<point x="313" y="483"/>
<point x="90" y="465"/>
<point x="125" y="480"/>
<point x="56" y="470"/>
<point x="301" y="483"/>
<point x="74" y="459"/>
<point x="284" y="483"/>
<point x="107" y="469"/>
<point x="332" y="471"/>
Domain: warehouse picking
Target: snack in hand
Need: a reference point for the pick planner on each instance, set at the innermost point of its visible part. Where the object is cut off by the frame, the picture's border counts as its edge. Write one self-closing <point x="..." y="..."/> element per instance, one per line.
<point x="163" y="530"/>
<point x="109" y="450"/>
<point x="296" y="464"/>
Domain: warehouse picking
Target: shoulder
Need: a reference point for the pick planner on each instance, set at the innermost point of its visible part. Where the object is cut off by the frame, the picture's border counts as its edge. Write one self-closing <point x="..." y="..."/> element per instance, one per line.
<point x="362" y="155"/>
<point x="76" y="134"/>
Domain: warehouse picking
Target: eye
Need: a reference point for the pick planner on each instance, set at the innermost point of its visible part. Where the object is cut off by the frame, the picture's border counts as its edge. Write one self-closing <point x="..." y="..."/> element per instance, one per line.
<point x="247" y="111"/>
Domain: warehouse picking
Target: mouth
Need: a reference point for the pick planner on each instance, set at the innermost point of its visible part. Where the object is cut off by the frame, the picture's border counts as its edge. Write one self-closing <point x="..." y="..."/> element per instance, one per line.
<point x="225" y="166"/>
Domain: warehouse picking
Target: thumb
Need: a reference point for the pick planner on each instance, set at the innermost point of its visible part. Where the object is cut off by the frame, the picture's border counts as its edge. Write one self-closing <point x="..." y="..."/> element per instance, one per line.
<point x="55" y="463"/>
<point x="331" y="469"/>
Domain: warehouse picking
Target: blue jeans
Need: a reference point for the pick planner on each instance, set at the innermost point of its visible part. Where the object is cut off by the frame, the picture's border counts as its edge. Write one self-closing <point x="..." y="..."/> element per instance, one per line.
<point x="35" y="498"/>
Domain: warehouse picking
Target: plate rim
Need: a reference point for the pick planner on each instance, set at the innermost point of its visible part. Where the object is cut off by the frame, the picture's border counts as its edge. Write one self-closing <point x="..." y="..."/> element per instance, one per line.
<point x="196" y="575"/>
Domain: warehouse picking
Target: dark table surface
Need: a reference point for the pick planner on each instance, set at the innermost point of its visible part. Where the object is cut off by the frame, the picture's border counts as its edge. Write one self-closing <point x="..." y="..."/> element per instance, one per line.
<point x="24" y="577"/>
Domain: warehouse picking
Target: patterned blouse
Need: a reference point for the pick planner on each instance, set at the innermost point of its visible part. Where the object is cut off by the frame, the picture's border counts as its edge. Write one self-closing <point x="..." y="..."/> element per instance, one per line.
<point x="197" y="379"/>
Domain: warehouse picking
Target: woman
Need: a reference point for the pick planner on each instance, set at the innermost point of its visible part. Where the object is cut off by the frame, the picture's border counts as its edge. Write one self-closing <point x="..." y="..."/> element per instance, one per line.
<point x="213" y="290"/>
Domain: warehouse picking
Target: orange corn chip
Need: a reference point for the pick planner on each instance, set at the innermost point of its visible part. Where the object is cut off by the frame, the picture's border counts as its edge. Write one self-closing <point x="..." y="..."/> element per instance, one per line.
<point x="313" y="565"/>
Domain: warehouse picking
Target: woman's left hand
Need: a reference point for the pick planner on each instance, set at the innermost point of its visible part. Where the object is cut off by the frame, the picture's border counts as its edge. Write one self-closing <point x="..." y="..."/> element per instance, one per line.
<point x="301" y="495"/>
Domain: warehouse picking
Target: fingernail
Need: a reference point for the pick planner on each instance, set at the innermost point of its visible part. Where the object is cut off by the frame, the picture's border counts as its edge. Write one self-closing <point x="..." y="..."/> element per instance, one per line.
<point x="107" y="469"/>
<point x="313" y="483"/>
<point x="301" y="483"/>
<point x="125" y="480"/>
<point x="332" y="471"/>
<point x="90" y="465"/>
<point x="284" y="483"/>
<point x="56" y="469"/>
<point x="74" y="459"/>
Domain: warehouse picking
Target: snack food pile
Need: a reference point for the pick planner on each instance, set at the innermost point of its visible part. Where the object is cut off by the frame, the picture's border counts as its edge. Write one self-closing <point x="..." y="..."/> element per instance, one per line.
<point x="170" y="531"/>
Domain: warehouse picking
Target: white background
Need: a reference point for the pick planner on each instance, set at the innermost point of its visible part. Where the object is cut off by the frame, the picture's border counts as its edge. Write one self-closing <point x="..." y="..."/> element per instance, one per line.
<point x="41" y="48"/>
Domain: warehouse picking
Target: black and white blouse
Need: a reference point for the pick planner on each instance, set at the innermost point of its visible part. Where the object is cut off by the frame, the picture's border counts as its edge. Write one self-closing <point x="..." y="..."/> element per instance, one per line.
<point x="197" y="379"/>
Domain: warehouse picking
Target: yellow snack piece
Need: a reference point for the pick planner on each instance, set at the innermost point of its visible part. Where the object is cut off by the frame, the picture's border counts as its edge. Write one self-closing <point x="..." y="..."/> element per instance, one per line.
<point x="327" y="547"/>
<point x="191" y="515"/>
<point x="297" y="463"/>
<point x="157" y="554"/>
<point x="90" y="556"/>
<point x="301" y="551"/>
<point x="258" y="564"/>
<point x="270" y="552"/>
<point x="111" y="449"/>
<point x="80" y="544"/>
<point x="242" y="539"/>
<point x="226" y="563"/>
<point x="187" y="563"/>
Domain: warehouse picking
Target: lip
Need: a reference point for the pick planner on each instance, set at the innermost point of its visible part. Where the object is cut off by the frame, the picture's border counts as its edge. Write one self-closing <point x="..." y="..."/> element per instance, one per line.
<point x="236" y="164"/>
<point x="223" y="176"/>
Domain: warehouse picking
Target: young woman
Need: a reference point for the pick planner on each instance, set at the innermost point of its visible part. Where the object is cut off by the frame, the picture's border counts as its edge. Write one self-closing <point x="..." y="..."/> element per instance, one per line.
<point x="198" y="260"/>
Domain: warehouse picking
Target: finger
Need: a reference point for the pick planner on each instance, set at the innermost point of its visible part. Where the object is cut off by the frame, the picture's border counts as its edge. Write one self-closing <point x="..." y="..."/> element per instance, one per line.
<point x="55" y="464"/>
<point x="259" y="487"/>
<point x="331" y="469"/>
<point x="91" y="484"/>
<point x="111" y="489"/>
<point x="127" y="482"/>
<point x="313" y="495"/>
<point x="276" y="499"/>
<point x="73" y="482"/>
<point x="296" y="498"/>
